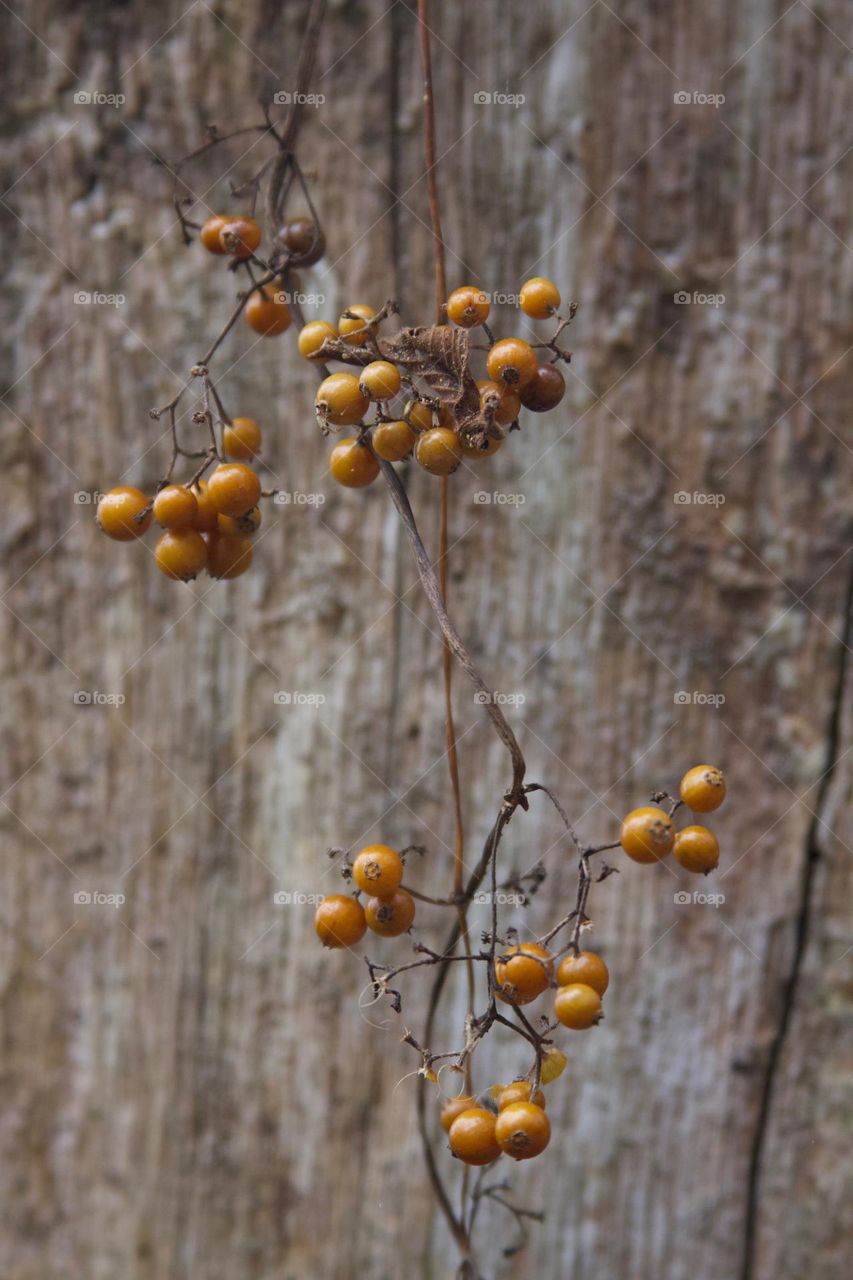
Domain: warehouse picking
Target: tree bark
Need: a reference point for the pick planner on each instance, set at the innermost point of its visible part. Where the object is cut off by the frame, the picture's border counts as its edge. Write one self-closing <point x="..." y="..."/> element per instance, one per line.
<point x="191" y="1088"/>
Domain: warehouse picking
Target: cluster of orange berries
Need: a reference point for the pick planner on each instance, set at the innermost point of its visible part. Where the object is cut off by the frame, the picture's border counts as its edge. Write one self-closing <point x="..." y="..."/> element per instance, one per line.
<point x="208" y="524"/>
<point x="341" y="921"/>
<point x="300" y="240"/>
<point x="648" y="834"/>
<point x="515" y="379"/>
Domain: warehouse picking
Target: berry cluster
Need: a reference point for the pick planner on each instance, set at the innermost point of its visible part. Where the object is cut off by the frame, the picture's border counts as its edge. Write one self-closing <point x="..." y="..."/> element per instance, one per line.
<point x="511" y="1119"/>
<point x="420" y="388"/>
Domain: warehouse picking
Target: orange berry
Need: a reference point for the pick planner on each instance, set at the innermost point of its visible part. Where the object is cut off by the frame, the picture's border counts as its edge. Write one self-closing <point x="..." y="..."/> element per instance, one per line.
<point x="419" y="415"/>
<point x="472" y="1136"/>
<point x="647" y="834"/>
<point x="175" y="507"/>
<point x="312" y="337"/>
<point x="554" y="1063"/>
<point x="239" y="526"/>
<point x="304" y="240"/>
<point x="233" y="489"/>
<point x="181" y="553"/>
<point x="519" y="1091"/>
<point x="471" y="448"/>
<point x="522" y="1130"/>
<point x="206" y="515"/>
<point x="585" y="967"/>
<point x="393" y="441"/>
<point x="539" y="298"/>
<point x="340" y="400"/>
<point x="512" y="360"/>
<point x="353" y="327"/>
<point x="339" y="921"/>
<point x="454" y="1107"/>
<point x="352" y="464"/>
<point x="267" y="312"/>
<point x="545" y="389"/>
<point x="503" y="402"/>
<point x="228" y="556"/>
<point x="696" y="849"/>
<point x="703" y="788"/>
<point x="241" y="439"/>
<point x="439" y="451"/>
<point x="378" y="870"/>
<point x="210" y="233"/>
<point x="391" y="916"/>
<point x="577" y="1006"/>
<point x="468" y="307"/>
<point x="380" y="380"/>
<point x="522" y="973"/>
<point x="240" y="237"/>
<point x="120" y="516"/>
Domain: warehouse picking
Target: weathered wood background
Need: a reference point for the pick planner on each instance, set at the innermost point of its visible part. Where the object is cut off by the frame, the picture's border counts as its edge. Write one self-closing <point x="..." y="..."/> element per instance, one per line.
<point x="189" y="1088"/>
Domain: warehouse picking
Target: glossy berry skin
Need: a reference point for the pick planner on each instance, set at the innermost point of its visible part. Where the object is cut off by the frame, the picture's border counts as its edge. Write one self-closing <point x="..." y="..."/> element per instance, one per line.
<point x="513" y="361"/>
<point x="352" y="464"/>
<point x="585" y="967"/>
<point x="471" y="448"/>
<point x="118" y="513"/>
<point x="519" y="1091"/>
<point x="175" y="507"/>
<point x="393" y="441"/>
<point x="378" y="870"/>
<point x="696" y="849"/>
<point x="647" y="834"/>
<point x="419" y="415"/>
<point x="522" y="1130"/>
<point x="312" y="337"/>
<point x="439" y="451"/>
<point x="181" y="554"/>
<point x="454" y="1107"/>
<point x="233" y="489"/>
<point x="380" y="380"/>
<point x="472" y="1137"/>
<point x="340" y="400"/>
<point x="352" y="328"/>
<point x="239" y="526"/>
<point x="267" y="312"/>
<point x="539" y="298"/>
<point x="577" y="1006"/>
<point x="206" y="516"/>
<point x="241" y="439"/>
<point x="303" y="240"/>
<point x="339" y="921"/>
<point x="545" y="389"/>
<point x="391" y="916"/>
<point x="522" y="973"/>
<point x="240" y="237"/>
<point x="703" y="788"/>
<point x="228" y="556"/>
<point x="503" y="402"/>
<point x="468" y="307"/>
<point x="210" y="234"/>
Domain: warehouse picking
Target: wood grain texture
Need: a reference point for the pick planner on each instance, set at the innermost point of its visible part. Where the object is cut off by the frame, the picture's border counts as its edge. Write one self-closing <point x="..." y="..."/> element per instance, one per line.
<point x="190" y="1088"/>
